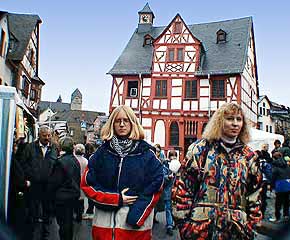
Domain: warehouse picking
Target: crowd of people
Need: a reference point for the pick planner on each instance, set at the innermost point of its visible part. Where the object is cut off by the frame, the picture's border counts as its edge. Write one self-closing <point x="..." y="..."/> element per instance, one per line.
<point x="219" y="191"/>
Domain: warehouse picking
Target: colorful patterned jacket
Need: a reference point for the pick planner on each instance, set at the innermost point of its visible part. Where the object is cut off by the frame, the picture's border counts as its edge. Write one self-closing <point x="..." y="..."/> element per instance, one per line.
<point x="217" y="193"/>
<point x="104" y="179"/>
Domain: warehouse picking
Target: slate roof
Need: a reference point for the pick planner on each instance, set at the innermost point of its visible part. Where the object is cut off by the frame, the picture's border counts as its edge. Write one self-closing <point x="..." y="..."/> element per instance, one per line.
<point x="223" y="58"/>
<point x="54" y="106"/>
<point x="146" y="9"/>
<point x="21" y="26"/>
<point x="76" y="92"/>
<point x="75" y="116"/>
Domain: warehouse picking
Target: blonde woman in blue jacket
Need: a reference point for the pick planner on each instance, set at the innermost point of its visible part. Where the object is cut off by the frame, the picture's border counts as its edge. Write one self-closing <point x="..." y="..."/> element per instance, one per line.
<point x="124" y="178"/>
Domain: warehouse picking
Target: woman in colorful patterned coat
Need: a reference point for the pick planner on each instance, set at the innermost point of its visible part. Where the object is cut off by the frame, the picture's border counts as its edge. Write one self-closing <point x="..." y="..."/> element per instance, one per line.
<point x="217" y="195"/>
<point x="124" y="178"/>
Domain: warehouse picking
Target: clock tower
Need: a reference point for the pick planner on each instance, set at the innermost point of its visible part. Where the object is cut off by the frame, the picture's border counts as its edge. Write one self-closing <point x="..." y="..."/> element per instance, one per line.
<point x="146" y="17"/>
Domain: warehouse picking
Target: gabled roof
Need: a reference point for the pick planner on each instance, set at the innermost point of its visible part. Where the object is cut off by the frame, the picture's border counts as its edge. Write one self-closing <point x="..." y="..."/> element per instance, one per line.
<point x="54" y="106"/>
<point x="21" y="27"/>
<point x="226" y="58"/>
<point x="75" y="116"/>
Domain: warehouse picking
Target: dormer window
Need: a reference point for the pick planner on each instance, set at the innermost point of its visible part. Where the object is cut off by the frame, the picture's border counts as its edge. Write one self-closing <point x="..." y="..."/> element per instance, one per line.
<point x="177" y="27"/>
<point x="221" y="36"/>
<point x="148" y="40"/>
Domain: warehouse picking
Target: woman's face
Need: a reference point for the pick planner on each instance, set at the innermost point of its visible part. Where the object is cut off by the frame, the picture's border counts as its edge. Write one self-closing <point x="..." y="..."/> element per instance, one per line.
<point x="232" y="125"/>
<point x="122" y="125"/>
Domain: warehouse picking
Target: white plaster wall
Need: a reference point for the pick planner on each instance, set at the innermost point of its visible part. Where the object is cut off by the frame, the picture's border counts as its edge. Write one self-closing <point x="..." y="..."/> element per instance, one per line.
<point x="176" y="82"/>
<point x="147" y="133"/>
<point x="204" y="82"/>
<point x="204" y="92"/>
<point x="159" y="134"/>
<point x="186" y="105"/>
<point x="163" y="104"/>
<point x="156" y="104"/>
<point x="134" y="103"/>
<point x="146" y="92"/>
<point x="194" y="105"/>
<point x="146" y="82"/>
<point x="176" y="103"/>
<point x="213" y="105"/>
<point x="176" y="91"/>
<point x="5" y="72"/>
<point x="203" y="104"/>
<point x="128" y="102"/>
<point x="146" y="122"/>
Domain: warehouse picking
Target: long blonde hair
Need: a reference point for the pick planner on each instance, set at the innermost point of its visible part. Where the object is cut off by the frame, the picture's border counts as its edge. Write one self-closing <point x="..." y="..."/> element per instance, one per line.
<point x="213" y="129"/>
<point x="137" y="132"/>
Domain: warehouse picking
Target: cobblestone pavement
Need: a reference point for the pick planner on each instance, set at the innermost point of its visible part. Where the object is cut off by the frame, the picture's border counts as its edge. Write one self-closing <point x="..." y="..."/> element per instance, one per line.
<point x="83" y="230"/>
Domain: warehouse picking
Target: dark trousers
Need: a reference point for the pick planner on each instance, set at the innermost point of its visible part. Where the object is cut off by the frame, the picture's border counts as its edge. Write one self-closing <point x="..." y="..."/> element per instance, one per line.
<point x="264" y="197"/>
<point x="79" y="209"/>
<point x="38" y="220"/>
<point x="64" y="218"/>
<point x="90" y="209"/>
<point x="282" y="200"/>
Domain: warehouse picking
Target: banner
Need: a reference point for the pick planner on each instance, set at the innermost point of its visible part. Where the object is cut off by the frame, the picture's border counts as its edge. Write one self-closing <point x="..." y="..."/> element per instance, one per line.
<point x="7" y="121"/>
<point x="19" y="123"/>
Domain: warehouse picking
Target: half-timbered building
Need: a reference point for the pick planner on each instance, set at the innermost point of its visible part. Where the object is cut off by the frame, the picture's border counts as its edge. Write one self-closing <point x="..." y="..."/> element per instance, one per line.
<point x="23" y="57"/>
<point x="176" y="76"/>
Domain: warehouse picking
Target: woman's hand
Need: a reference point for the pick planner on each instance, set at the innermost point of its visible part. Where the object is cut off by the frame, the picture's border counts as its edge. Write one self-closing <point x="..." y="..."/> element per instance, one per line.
<point x="128" y="200"/>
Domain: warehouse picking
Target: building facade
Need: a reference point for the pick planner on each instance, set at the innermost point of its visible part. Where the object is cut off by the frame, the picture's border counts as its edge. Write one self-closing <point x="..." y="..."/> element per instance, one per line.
<point x="83" y="126"/>
<point x="176" y="76"/>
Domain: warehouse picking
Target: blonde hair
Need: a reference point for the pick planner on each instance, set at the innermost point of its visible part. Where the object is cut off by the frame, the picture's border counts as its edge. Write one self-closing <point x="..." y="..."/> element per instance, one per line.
<point x="137" y="132"/>
<point x="213" y="129"/>
<point x="80" y="149"/>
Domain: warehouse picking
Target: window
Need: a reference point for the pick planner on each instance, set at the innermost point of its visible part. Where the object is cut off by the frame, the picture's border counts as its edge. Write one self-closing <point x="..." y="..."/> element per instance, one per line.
<point x="1" y="81"/>
<point x="33" y="94"/>
<point x="267" y="128"/>
<point x="161" y="88"/>
<point x="2" y="42"/>
<point x="221" y="36"/>
<point x="25" y="85"/>
<point x="218" y="89"/>
<point x="270" y="129"/>
<point x="148" y="40"/>
<point x="171" y="55"/>
<point x="132" y="89"/>
<point x="177" y="27"/>
<point x="175" y="54"/>
<point x="179" y="54"/>
<point x="190" y="89"/>
<point x="174" y="134"/>
<point x="261" y="110"/>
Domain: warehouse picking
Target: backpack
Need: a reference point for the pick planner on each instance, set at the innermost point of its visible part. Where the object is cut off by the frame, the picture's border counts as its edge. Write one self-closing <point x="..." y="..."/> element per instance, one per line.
<point x="266" y="169"/>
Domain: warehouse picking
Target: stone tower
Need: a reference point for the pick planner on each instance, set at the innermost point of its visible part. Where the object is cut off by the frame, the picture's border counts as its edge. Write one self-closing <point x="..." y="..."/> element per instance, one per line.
<point x="76" y="100"/>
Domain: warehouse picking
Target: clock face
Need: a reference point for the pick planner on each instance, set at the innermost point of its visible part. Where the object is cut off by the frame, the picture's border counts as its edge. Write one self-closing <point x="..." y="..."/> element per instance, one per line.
<point x="145" y="18"/>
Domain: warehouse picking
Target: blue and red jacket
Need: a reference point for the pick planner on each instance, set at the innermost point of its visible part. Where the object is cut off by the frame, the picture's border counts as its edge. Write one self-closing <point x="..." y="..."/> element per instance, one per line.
<point x="107" y="175"/>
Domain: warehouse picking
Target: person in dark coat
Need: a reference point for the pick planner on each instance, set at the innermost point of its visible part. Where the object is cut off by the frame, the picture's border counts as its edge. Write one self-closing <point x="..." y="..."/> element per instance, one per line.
<point x="277" y="145"/>
<point x="18" y="187"/>
<point x="169" y="178"/>
<point x="37" y="162"/>
<point x="65" y="184"/>
<point x="281" y="183"/>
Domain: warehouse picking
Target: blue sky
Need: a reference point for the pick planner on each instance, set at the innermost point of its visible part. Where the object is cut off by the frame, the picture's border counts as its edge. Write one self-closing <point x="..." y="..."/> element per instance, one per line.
<point x="81" y="40"/>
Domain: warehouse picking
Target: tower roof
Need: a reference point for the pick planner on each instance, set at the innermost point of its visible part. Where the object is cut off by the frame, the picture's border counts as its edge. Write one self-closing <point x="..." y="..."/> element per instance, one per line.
<point x="146" y="9"/>
<point x="76" y="93"/>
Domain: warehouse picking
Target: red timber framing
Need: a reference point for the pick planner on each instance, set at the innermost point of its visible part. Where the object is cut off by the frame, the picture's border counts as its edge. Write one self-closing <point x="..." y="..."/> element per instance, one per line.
<point x="176" y="59"/>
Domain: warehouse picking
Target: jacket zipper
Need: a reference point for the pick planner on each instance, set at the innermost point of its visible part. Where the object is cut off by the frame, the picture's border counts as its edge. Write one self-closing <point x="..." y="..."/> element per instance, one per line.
<point x="118" y="183"/>
<point x="119" y="174"/>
